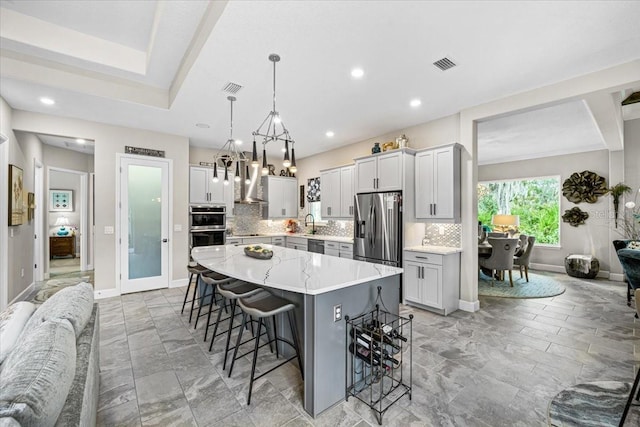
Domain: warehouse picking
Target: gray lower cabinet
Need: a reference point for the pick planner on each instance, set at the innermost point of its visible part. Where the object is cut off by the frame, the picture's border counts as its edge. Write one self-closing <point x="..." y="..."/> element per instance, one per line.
<point x="432" y="281"/>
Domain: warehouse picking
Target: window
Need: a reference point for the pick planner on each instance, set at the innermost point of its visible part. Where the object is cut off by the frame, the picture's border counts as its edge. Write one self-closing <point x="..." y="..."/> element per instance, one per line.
<point x="315" y="209"/>
<point x="535" y="200"/>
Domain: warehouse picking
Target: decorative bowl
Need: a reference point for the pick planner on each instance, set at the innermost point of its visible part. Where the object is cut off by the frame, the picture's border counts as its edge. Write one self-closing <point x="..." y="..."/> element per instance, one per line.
<point x="258" y="252"/>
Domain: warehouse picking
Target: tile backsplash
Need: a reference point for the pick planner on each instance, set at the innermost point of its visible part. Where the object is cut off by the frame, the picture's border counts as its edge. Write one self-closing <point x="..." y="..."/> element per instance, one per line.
<point x="248" y="220"/>
<point x="450" y="238"/>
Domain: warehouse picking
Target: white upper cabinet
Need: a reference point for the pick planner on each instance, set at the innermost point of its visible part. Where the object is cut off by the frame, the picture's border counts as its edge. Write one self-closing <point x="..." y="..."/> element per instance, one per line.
<point x="346" y="192"/>
<point x="366" y="174"/>
<point x="336" y="187"/>
<point x="281" y="196"/>
<point x="380" y="172"/>
<point x="330" y="193"/>
<point x="202" y="189"/>
<point x="437" y="185"/>
<point x="198" y="185"/>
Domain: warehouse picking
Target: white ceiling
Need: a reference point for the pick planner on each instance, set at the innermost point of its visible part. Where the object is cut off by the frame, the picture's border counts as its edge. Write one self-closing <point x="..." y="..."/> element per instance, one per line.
<point x="551" y="131"/>
<point x="86" y="147"/>
<point x="162" y="65"/>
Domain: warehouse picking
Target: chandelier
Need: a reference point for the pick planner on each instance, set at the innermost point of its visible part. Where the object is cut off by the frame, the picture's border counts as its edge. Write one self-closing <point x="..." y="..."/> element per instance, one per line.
<point x="229" y="154"/>
<point x="273" y="129"/>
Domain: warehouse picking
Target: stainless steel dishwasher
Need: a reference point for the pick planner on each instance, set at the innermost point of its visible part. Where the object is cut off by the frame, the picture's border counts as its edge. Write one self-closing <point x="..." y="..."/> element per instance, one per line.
<point x="316" y="246"/>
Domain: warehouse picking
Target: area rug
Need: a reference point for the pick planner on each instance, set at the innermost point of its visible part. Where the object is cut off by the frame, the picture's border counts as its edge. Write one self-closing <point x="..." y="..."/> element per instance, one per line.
<point x="539" y="286"/>
<point x="599" y="403"/>
<point x="52" y="286"/>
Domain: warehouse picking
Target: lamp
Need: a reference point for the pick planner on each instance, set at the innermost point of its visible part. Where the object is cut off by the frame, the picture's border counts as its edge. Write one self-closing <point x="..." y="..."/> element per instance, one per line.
<point x="273" y="129"/>
<point x="506" y="223"/>
<point x="61" y="222"/>
<point x="229" y="152"/>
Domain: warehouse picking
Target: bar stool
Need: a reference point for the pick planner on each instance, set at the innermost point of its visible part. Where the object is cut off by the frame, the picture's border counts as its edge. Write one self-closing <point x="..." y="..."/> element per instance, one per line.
<point x="197" y="270"/>
<point x="232" y="292"/>
<point x="262" y="306"/>
<point x="211" y="280"/>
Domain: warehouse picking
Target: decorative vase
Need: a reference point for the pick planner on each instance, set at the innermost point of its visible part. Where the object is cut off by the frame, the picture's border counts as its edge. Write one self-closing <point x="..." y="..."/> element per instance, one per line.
<point x="63" y="231"/>
<point x="376" y="148"/>
<point x="402" y="141"/>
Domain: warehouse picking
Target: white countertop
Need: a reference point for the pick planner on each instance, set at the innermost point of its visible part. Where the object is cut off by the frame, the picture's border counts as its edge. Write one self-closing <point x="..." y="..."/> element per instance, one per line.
<point x="290" y="269"/>
<point x="442" y="250"/>
<point x="323" y="237"/>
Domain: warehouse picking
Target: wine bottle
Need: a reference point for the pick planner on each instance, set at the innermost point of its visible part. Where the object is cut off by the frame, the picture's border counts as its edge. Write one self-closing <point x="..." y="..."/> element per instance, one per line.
<point x="378" y="337"/>
<point x="364" y="354"/>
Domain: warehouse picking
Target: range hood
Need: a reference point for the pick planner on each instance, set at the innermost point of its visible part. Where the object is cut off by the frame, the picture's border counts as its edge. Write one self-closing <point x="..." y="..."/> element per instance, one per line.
<point x="249" y="192"/>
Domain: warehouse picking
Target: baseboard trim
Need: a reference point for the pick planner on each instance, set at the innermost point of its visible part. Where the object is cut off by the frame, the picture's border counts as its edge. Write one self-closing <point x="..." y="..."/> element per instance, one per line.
<point x="470" y="306"/>
<point x="106" y="293"/>
<point x="178" y="283"/>
<point x="21" y="295"/>
<point x="603" y="274"/>
<point x="617" y="277"/>
<point x="547" y="267"/>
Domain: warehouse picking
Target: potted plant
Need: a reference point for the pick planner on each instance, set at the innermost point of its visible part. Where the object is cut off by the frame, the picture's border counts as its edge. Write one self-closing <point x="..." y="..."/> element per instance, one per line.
<point x="616" y="192"/>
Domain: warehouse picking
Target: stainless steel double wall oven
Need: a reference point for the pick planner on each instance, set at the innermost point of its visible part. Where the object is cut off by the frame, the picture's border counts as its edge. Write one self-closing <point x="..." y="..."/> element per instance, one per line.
<point x="207" y="225"/>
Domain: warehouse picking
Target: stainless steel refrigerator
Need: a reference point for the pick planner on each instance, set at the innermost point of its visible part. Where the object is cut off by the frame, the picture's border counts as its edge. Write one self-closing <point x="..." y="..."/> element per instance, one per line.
<point x="378" y="228"/>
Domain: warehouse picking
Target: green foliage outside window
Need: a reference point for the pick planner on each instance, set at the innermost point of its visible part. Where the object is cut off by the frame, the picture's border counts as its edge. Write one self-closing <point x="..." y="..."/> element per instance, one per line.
<point x="535" y="200"/>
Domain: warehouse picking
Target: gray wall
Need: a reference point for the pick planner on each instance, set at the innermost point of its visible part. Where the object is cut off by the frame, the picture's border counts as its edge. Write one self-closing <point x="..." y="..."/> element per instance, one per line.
<point x="592" y="238"/>
<point x="632" y="156"/>
<point x="109" y="141"/>
<point x="23" y="151"/>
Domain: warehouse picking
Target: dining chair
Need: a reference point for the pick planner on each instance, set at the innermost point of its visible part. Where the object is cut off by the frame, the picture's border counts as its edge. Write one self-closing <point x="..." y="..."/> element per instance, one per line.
<point x="501" y="259"/>
<point x="522" y="261"/>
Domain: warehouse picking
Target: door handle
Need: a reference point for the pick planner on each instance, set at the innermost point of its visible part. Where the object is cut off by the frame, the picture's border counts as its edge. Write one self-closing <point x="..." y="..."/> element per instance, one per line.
<point x="165" y="240"/>
<point x="434" y="208"/>
<point x="377" y="182"/>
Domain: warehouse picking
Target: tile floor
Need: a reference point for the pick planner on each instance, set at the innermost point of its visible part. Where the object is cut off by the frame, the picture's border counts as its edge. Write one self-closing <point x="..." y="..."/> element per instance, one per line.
<point x="498" y="367"/>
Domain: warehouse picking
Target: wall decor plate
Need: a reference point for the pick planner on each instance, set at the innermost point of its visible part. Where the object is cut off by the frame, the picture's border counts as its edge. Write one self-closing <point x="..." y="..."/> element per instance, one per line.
<point x="585" y="186"/>
<point x="61" y="200"/>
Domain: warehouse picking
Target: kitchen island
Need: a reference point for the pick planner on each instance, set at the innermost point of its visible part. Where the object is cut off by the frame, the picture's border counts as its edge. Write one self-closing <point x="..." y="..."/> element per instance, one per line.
<point x="316" y="283"/>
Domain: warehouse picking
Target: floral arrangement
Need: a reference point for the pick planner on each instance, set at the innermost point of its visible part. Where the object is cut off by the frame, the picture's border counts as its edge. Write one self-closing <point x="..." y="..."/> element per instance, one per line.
<point x="630" y="220"/>
<point x="290" y="225"/>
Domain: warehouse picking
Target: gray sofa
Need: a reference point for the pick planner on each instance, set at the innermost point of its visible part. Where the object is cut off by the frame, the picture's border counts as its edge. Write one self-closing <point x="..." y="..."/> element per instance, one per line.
<point x="51" y="376"/>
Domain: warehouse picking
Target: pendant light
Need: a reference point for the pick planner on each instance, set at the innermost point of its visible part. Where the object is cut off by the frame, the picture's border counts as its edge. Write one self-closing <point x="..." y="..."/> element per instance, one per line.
<point x="229" y="152"/>
<point x="274" y="130"/>
<point x="247" y="179"/>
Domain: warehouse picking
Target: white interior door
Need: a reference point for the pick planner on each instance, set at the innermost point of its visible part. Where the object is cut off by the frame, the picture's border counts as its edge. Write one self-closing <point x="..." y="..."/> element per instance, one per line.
<point x="144" y="224"/>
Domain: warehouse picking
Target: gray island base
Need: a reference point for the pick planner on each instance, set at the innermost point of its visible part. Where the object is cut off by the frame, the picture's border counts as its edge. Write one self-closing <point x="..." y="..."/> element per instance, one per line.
<point x="316" y="283"/>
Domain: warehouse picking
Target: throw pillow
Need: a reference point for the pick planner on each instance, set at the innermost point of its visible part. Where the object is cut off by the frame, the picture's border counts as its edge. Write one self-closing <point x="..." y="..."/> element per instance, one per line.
<point x="73" y="303"/>
<point x="634" y="244"/>
<point x="12" y="321"/>
<point x="37" y="375"/>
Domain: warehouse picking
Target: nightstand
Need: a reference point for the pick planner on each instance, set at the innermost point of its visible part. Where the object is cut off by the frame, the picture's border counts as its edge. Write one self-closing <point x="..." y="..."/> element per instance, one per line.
<point x="62" y="246"/>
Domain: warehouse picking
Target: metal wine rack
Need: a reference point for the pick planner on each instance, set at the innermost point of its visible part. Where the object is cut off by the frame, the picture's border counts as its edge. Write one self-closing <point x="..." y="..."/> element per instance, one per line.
<point x="378" y="358"/>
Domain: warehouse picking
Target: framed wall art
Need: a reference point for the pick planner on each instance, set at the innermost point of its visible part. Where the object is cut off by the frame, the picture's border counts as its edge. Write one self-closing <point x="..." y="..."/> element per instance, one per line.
<point x="61" y="200"/>
<point x="16" y="198"/>
<point x="31" y="206"/>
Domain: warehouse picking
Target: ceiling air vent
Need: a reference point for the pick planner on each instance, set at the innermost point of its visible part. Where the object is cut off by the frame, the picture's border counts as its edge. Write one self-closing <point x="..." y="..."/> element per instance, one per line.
<point x="444" y="64"/>
<point x="231" y="88"/>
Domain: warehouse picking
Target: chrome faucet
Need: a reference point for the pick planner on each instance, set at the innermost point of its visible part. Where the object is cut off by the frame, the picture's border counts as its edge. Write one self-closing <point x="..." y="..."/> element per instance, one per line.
<point x="313" y="223"/>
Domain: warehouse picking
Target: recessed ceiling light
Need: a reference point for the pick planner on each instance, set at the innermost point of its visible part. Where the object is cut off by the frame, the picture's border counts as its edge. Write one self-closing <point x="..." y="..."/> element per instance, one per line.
<point x="330" y="134"/>
<point x="47" y="101"/>
<point x="357" y="73"/>
<point x="415" y="103"/>
<point x="202" y="125"/>
<point x="80" y="141"/>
